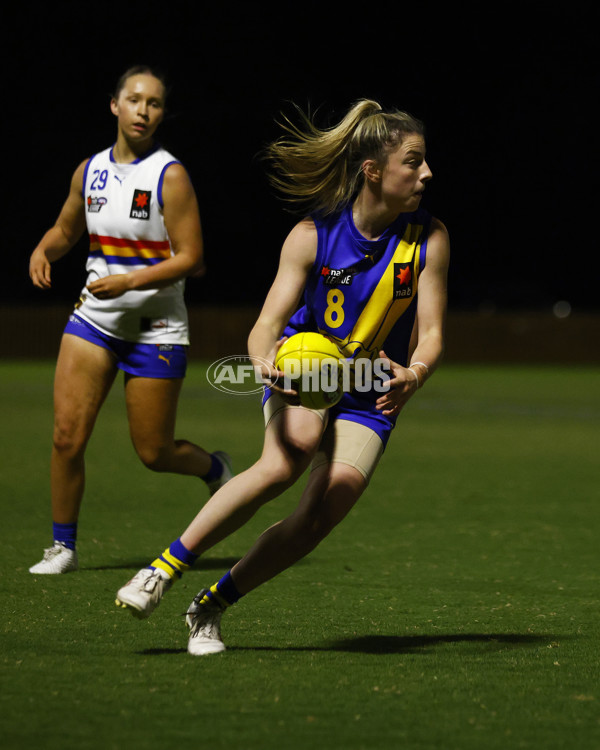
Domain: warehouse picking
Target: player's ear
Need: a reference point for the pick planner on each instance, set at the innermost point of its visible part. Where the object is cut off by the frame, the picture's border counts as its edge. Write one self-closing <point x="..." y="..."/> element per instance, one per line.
<point x="371" y="170"/>
<point x="114" y="107"/>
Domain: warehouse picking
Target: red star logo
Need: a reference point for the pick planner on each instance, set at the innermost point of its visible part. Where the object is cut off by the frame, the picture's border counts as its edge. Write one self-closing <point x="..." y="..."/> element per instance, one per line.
<point x="141" y="200"/>
<point x="325" y="271"/>
<point x="404" y="275"/>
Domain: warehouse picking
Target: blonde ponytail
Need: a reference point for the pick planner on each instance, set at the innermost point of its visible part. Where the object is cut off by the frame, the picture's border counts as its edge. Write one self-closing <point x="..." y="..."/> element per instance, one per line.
<point x="321" y="169"/>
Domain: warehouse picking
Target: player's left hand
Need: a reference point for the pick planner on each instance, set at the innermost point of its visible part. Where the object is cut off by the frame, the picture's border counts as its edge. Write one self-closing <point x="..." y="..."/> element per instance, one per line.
<point x="109" y="287"/>
<point x="402" y="384"/>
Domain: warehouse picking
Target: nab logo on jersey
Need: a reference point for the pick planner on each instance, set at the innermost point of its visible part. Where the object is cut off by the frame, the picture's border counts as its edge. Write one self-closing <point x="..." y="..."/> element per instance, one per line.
<point x="336" y="276"/>
<point x="403" y="280"/>
<point x="140" y="205"/>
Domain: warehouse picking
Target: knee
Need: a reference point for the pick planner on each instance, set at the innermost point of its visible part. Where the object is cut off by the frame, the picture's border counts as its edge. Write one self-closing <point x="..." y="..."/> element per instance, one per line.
<point x="68" y="439"/>
<point x="154" y="457"/>
<point x="285" y="469"/>
<point x="294" y="459"/>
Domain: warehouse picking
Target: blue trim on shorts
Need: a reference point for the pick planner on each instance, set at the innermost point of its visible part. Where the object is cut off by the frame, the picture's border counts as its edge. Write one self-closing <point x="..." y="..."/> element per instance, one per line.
<point x="360" y="410"/>
<point x="143" y="360"/>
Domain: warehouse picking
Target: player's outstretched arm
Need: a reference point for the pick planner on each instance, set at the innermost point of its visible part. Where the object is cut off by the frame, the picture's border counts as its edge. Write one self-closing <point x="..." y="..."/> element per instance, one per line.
<point x="59" y="239"/>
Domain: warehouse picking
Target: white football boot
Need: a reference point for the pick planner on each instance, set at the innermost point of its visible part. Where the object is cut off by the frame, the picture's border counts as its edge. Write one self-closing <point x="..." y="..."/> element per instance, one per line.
<point x="225" y="460"/>
<point x="143" y="593"/>
<point x="204" y="622"/>
<point x="57" y="559"/>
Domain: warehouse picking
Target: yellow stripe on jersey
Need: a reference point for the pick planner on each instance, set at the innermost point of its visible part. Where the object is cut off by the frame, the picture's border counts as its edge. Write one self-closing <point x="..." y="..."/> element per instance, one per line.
<point x="122" y="248"/>
<point x="382" y="311"/>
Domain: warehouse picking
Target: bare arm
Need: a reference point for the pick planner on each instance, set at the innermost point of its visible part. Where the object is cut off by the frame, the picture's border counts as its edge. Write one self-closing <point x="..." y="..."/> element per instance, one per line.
<point x="59" y="239"/>
<point x="430" y="324"/>
<point x="297" y="257"/>
<point x="182" y="221"/>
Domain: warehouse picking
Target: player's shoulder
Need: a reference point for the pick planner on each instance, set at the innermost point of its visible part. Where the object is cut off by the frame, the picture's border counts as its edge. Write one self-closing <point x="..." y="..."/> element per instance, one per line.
<point x="437" y="225"/>
<point x="304" y="232"/>
<point x="438" y="232"/>
<point x="301" y="242"/>
<point x="175" y="171"/>
<point x="169" y="164"/>
<point x="78" y="176"/>
<point x="438" y="242"/>
<point x="175" y="182"/>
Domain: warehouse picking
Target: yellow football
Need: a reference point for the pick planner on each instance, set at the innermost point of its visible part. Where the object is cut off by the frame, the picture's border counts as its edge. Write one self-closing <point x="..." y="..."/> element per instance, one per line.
<point x="313" y="362"/>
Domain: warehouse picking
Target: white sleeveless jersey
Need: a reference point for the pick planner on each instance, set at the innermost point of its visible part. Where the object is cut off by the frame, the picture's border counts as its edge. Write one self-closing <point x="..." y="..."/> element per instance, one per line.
<point x="124" y="214"/>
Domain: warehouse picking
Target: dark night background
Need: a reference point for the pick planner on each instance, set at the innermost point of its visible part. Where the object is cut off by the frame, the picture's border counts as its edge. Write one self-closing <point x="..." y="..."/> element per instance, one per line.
<point x="508" y="95"/>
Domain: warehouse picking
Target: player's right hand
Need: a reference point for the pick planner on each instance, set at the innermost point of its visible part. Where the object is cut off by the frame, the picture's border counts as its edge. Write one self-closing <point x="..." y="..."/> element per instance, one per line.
<point x="289" y="395"/>
<point x="274" y="380"/>
<point x="39" y="269"/>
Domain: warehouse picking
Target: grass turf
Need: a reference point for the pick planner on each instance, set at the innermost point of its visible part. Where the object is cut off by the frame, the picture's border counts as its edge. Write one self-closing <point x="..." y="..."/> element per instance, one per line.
<point x="457" y="607"/>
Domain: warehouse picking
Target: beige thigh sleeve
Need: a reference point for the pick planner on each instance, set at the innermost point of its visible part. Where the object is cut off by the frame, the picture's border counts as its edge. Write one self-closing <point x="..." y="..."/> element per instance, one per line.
<point x="344" y="441"/>
<point x="274" y="404"/>
<point x="350" y="443"/>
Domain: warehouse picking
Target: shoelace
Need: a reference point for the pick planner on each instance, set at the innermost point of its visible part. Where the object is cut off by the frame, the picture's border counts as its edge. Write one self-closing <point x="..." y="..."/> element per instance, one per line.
<point x="52" y="552"/>
<point x="202" y="620"/>
<point x="151" y="582"/>
<point x="194" y="608"/>
<point x="209" y="627"/>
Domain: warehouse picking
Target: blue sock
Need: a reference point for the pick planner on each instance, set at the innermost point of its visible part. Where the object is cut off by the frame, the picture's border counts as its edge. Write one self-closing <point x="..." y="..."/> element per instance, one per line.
<point x="224" y="591"/>
<point x="175" y="560"/>
<point x="215" y="471"/>
<point x="178" y="550"/>
<point x="65" y="533"/>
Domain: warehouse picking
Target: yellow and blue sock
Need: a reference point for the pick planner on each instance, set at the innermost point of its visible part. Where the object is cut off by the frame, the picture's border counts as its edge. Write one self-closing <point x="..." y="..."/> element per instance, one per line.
<point x="224" y="592"/>
<point x="65" y="533"/>
<point x="175" y="560"/>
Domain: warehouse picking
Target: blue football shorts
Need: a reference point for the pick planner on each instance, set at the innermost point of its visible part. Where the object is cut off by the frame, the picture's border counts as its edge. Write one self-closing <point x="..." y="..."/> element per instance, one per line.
<point x="143" y="360"/>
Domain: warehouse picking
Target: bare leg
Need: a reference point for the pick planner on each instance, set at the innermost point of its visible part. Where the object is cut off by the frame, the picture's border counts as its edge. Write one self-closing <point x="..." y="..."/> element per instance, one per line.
<point x="291" y="440"/>
<point x="152" y="412"/>
<point x="330" y="494"/>
<point x="84" y="374"/>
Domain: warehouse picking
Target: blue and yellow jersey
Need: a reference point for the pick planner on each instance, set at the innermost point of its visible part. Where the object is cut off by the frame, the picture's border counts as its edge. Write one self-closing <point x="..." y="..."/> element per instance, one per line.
<point x="363" y="293"/>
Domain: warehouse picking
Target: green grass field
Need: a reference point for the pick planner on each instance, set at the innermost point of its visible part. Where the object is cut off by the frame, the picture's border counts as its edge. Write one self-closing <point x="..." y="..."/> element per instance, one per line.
<point x="458" y="607"/>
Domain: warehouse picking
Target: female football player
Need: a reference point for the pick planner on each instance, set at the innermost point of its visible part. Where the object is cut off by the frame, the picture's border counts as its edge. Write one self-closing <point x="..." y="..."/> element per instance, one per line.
<point x="368" y="267"/>
<point x="140" y="210"/>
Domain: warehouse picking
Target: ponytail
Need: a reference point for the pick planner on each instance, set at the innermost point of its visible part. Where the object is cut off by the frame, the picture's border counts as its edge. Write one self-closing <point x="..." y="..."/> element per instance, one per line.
<point x="320" y="170"/>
